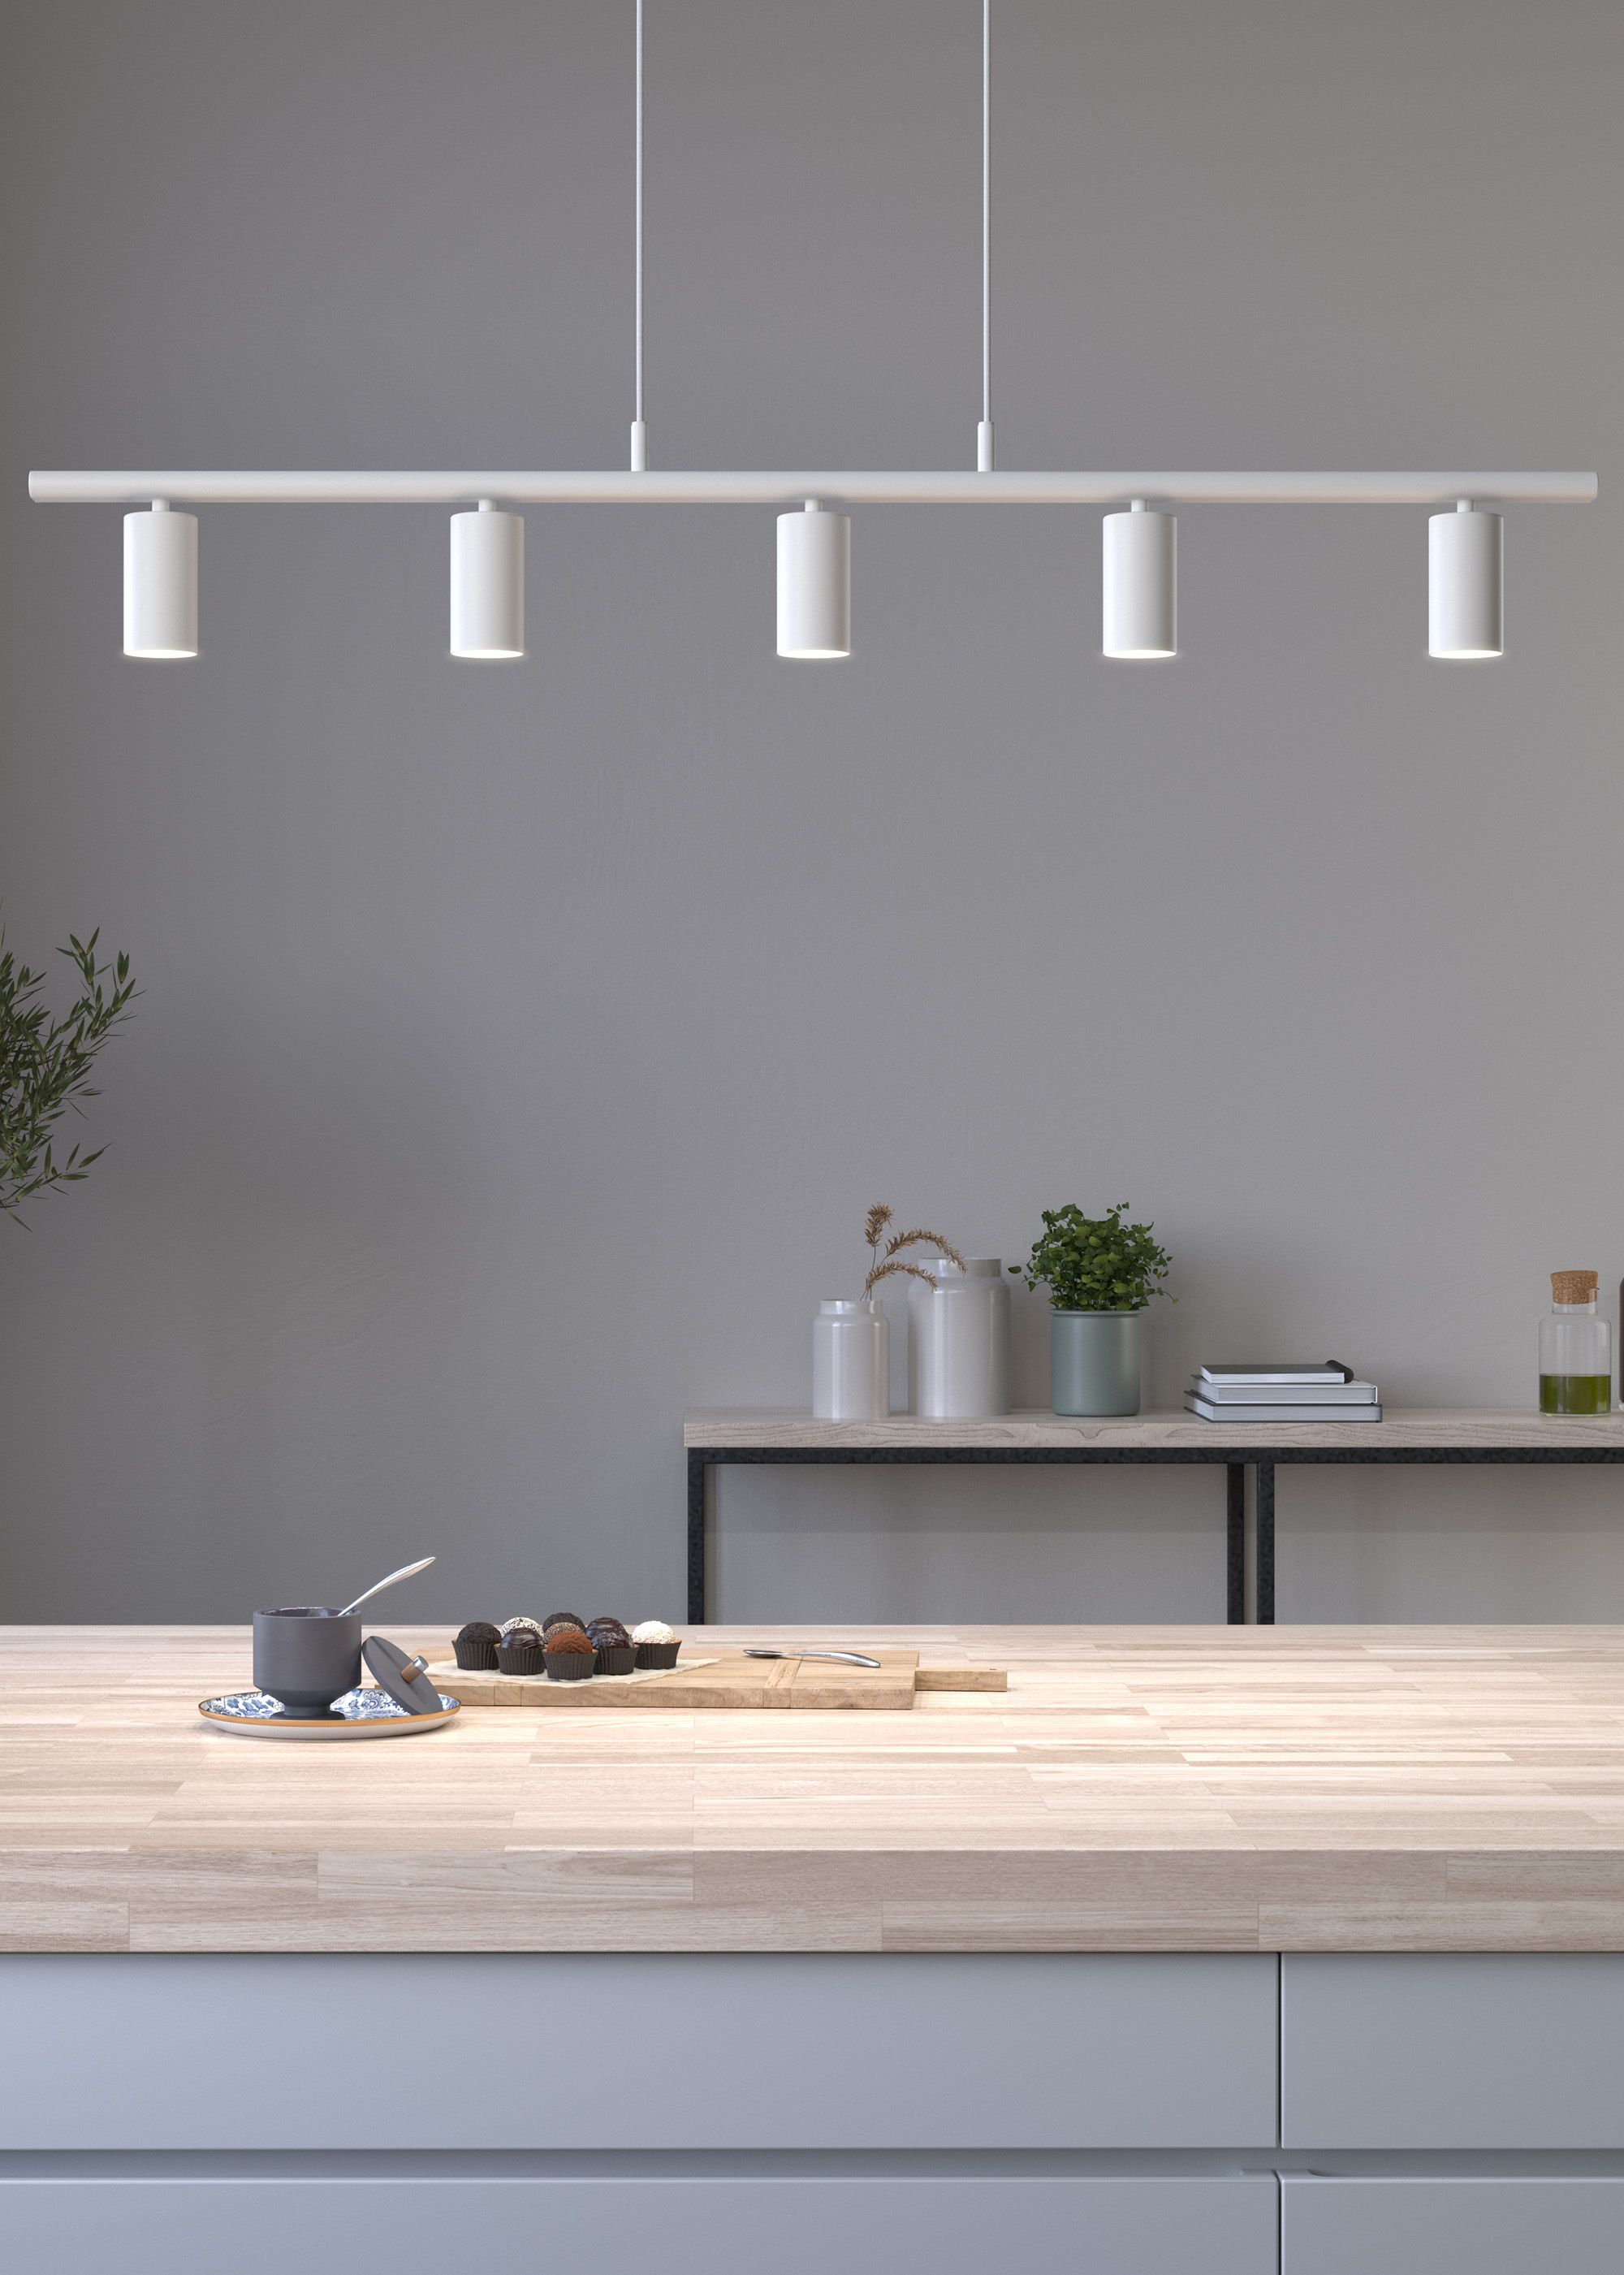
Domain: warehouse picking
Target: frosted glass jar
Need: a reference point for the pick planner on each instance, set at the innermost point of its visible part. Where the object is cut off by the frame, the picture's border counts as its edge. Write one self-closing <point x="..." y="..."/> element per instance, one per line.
<point x="851" y="1363"/>
<point x="958" y="1340"/>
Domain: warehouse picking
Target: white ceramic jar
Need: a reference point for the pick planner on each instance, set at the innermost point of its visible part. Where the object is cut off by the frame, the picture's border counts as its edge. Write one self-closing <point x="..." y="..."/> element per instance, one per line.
<point x="851" y="1363"/>
<point x="958" y="1340"/>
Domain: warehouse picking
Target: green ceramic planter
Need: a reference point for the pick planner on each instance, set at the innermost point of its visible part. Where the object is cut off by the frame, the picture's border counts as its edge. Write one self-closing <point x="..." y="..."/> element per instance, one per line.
<point x="1094" y="1361"/>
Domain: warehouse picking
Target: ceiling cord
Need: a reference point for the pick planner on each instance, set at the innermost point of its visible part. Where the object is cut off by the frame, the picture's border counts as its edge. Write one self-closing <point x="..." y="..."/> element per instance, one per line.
<point x="639" y="431"/>
<point x="984" y="433"/>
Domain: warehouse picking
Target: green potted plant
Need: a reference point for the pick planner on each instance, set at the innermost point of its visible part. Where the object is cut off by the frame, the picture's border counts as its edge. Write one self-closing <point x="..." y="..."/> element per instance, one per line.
<point x="46" y="1065"/>
<point x="1100" y="1274"/>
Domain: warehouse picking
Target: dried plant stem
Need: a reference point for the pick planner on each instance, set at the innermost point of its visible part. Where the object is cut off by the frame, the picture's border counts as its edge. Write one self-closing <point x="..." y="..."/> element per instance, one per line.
<point x="884" y="1271"/>
<point x="873" y="1225"/>
<point x="912" y="1240"/>
<point x="873" y="1231"/>
<point x="875" y="1222"/>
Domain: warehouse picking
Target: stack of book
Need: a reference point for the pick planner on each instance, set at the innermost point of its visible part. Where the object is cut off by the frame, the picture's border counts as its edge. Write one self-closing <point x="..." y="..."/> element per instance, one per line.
<point x="1327" y="1392"/>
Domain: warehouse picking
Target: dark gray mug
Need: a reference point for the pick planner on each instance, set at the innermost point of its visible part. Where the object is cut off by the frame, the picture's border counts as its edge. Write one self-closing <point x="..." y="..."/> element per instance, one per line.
<point x="307" y="1656"/>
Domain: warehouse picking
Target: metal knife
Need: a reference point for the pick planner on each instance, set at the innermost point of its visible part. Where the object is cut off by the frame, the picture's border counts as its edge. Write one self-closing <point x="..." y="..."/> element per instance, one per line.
<point x="851" y="1658"/>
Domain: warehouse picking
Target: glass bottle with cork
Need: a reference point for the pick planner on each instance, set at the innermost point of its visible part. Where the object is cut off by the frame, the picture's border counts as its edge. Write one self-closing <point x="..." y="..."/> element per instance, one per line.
<point x="1575" y="1350"/>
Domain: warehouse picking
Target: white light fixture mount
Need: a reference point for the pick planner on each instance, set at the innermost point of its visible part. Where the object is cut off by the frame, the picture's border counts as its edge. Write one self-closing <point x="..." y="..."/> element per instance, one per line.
<point x="814" y="582"/>
<point x="791" y="487"/>
<point x="160" y="581"/>
<point x="1141" y="584"/>
<point x="1465" y="585"/>
<point x="488" y="584"/>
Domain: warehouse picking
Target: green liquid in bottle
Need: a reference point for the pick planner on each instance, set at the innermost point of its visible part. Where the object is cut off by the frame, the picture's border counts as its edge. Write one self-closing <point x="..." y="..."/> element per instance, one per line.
<point x="1575" y="1393"/>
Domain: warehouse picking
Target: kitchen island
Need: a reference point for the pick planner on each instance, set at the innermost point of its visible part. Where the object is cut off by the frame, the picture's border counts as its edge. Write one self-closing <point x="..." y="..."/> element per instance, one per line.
<point x="1236" y="1948"/>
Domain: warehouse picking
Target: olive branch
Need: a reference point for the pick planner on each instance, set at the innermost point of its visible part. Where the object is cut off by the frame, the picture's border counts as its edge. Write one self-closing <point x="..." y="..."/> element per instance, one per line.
<point x="46" y="1065"/>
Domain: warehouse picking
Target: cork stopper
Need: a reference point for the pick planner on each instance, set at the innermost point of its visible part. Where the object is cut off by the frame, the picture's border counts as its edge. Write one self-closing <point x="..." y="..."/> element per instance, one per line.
<point x="1573" y="1286"/>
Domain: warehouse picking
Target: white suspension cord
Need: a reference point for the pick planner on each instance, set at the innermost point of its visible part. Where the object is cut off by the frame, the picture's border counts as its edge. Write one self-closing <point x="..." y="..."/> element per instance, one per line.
<point x="984" y="433"/>
<point x="639" y="430"/>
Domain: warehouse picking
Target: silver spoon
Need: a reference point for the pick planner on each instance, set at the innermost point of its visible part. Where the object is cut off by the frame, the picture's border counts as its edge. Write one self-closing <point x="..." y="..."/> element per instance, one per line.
<point x="851" y="1658"/>
<point x="377" y="1589"/>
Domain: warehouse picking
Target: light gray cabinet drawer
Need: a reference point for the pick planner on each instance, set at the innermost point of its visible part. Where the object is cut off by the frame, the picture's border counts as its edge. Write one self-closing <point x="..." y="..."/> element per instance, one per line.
<point x="1452" y="2227"/>
<point x="1466" y="2050"/>
<point x="699" y="2227"/>
<point x="736" y="2050"/>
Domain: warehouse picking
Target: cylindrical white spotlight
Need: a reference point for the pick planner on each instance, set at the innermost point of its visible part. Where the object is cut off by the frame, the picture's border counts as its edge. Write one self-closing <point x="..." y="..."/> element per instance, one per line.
<point x="488" y="584"/>
<point x="814" y="582"/>
<point x="1141" y="583"/>
<point x="159" y="582"/>
<point x="1465" y="585"/>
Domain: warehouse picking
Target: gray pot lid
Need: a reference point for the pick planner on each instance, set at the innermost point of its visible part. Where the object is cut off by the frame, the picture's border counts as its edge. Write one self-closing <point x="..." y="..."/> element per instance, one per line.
<point x="402" y="1678"/>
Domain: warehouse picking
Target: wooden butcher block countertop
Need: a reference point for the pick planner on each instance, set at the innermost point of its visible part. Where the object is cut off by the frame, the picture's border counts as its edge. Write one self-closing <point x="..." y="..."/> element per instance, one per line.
<point x="1135" y="1789"/>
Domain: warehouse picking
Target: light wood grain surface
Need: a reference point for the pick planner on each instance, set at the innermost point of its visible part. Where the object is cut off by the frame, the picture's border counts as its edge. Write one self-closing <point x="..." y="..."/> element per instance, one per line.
<point x="718" y="1679"/>
<point x="1448" y="1426"/>
<point x="1136" y="1788"/>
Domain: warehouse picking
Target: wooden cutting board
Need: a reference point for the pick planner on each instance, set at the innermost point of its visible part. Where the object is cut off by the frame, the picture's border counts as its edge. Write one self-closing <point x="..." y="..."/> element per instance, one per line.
<point x="727" y="1678"/>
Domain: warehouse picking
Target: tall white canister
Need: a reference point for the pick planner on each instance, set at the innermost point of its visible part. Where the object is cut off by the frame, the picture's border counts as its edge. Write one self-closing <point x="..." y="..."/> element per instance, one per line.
<point x="851" y="1363"/>
<point x="958" y="1340"/>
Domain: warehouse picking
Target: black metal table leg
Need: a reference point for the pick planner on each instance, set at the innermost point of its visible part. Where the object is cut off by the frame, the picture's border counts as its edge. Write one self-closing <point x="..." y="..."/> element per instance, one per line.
<point x="1266" y="1544"/>
<point x="698" y="1469"/>
<point x="1237" y="1542"/>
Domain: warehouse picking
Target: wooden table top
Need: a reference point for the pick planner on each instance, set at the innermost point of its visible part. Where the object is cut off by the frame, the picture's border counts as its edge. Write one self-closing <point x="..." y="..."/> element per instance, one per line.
<point x="1136" y="1788"/>
<point x="1462" y="1427"/>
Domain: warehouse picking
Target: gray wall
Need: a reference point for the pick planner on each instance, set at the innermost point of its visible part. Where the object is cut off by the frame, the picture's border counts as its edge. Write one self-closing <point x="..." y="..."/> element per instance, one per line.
<point x="521" y="1044"/>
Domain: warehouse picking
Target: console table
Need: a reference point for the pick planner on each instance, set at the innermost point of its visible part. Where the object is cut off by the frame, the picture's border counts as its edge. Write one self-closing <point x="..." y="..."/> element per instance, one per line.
<point x="1033" y="1435"/>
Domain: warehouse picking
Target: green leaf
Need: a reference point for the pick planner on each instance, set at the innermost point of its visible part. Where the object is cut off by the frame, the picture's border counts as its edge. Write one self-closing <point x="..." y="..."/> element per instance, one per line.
<point x="1096" y="1264"/>
<point x="45" y="1066"/>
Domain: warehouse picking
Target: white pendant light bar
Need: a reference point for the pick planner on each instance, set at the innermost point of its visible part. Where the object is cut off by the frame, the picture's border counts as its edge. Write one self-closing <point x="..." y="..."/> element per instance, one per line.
<point x="159" y="582"/>
<point x="1465" y="585"/>
<point x="488" y="584"/>
<point x="1139" y="535"/>
<point x="572" y="485"/>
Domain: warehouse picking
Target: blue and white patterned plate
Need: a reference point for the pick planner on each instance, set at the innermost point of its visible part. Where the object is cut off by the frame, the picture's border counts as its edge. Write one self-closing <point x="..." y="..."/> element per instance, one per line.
<point x="357" y="1714"/>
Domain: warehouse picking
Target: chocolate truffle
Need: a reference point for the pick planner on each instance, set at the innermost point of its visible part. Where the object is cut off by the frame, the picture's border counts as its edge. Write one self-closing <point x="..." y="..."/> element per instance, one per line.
<point x="655" y="1644"/>
<point x="616" y="1652"/>
<point x="476" y="1644"/>
<point x="562" y="1620"/>
<point x="519" y="1651"/>
<point x="569" y="1657"/>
